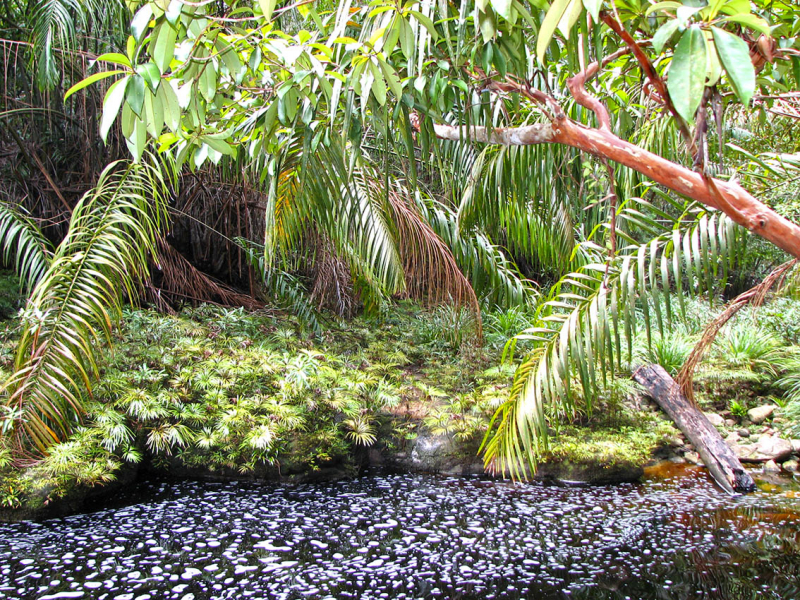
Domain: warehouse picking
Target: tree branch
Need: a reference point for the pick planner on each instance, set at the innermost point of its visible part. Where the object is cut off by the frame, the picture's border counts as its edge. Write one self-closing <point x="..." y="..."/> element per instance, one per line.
<point x="655" y="79"/>
<point x="728" y="197"/>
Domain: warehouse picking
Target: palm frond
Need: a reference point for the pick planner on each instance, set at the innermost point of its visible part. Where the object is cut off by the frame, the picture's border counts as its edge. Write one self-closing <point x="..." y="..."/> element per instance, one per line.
<point x="491" y="273"/>
<point x="56" y="25"/>
<point x="287" y="289"/>
<point x="23" y="245"/>
<point x="579" y="332"/>
<point x="73" y="308"/>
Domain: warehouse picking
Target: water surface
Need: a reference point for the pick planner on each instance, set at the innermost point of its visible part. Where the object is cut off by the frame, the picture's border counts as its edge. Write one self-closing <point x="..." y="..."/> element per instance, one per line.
<point x="406" y="536"/>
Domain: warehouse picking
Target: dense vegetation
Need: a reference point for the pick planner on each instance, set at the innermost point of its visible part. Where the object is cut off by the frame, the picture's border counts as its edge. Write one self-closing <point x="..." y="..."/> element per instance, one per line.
<point x="576" y="179"/>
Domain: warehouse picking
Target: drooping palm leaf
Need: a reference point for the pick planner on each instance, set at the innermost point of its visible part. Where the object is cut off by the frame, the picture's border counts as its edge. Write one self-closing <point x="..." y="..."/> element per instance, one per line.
<point x="23" y="246"/>
<point x="56" y="24"/>
<point x="582" y="332"/>
<point x="72" y="310"/>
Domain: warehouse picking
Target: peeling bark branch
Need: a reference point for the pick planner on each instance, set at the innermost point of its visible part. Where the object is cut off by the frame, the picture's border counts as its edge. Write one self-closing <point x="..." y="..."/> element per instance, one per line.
<point x="728" y="197"/>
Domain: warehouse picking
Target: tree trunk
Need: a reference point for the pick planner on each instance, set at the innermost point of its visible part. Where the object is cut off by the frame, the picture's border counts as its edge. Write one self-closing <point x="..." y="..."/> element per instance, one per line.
<point x="721" y="461"/>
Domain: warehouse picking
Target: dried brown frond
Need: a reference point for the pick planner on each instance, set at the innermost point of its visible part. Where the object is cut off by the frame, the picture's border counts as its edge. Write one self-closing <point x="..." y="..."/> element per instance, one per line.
<point x="179" y="281"/>
<point x="333" y="281"/>
<point x="431" y="272"/>
<point x="755" y="296"/>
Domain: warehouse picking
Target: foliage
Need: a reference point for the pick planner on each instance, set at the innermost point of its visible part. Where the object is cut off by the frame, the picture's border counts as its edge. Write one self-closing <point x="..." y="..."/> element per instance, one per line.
<point x="23" y="246"/>
<point x="79" y="296"/>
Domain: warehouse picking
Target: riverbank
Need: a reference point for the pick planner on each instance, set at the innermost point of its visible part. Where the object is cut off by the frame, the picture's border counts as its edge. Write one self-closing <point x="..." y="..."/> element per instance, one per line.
<point x="222" y="394"/>
<point x="216" y="393"/>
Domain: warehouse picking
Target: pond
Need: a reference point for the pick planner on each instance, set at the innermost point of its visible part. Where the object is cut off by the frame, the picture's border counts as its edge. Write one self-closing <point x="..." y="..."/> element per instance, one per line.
<point x="411" y="536"/>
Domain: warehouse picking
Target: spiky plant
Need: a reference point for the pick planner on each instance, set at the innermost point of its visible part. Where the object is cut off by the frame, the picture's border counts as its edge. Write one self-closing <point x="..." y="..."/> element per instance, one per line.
<point x="74" y="306"/>
<point x="22" y="245"/>
<point x="590" y="319"/>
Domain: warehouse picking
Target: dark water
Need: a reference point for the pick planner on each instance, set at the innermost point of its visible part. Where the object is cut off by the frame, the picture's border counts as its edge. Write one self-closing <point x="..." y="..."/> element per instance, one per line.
<point x="414" y="537"/>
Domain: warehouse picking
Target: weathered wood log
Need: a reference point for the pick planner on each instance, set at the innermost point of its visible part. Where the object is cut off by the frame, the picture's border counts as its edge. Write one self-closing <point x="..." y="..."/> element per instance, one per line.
<point x="721" y="461"/>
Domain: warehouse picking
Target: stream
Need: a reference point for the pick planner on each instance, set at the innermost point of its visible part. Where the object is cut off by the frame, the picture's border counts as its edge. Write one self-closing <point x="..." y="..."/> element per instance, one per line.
<point x="412" y="536"/>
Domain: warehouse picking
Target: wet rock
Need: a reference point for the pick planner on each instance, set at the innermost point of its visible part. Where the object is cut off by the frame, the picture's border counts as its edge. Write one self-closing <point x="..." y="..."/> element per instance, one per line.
<point x="771" y="467"/>
<point x="745" y="433"/>
<point x="761" y="413"/>
<point x="767" y="448"/>
<point x="793" y="466"/>
<point x="715" y="419"/>
<point x="693" y="457"/>
<point x="437" y="454"/>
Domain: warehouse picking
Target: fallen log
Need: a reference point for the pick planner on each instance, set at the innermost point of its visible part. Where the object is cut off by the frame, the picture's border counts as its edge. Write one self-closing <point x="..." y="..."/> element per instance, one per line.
<point x="721" y="461"/>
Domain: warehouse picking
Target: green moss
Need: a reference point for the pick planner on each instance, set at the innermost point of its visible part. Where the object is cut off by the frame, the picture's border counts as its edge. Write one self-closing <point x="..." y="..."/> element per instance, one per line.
<point x="610" y="447"/>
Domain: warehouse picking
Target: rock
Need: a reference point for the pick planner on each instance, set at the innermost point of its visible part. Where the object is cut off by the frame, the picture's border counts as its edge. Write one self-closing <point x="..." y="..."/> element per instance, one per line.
<point x="693" y="457"/>
<point x="768" y="430"/>
<point x="715" y="419"/>
<point x="675" y="442"/>
<point x="771" y="467"/>
<point x="733" y="438"/>
<point x="793" y="466"/>
<point x="767" y="448"/>
<point x="796" y="446"/>
<point x="760" y="414"/>
<point x="745" y="433"/>
<point x="778" y="420"/>
<point x="730" y="423"/>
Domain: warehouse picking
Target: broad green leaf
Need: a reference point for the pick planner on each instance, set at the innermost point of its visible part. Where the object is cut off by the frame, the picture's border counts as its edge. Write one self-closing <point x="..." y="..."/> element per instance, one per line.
<point x="208" y="82"/>
<point x="735" y="56"/>
<point x="153" y="114"/>
<point x="751" y="21"/>
<point x="664" y="34"/>
<point x="570" y="17"/>
<point x="141" y="21"/>
<point x="137" y="140"/>
<point x="163" y="47"/>
<point x="172" y="109"/>
<point x="487" y="25"/>
<point x="426" y="23"/>
<point x="111" y="104"/>
<point x="173" y="13"/>
<point x="152" y="76"/>
<point x="391" y="78"/>
<point x="115" y="58"/>
<point x="735" y="7"/>
<point x="134" y="94"/>
<point x="713" y="65"/>
<point x="378" y="85"/>
<point x="90" y="80"/>
<point x="220" y="146"/>
<point x="502" y="8"/>
<point x="687" y="73"/>
<point x="267" y="7"/>
<point x="231" y="60"/>
<point x="551" y="21"/>
<point x="668" y="5"/>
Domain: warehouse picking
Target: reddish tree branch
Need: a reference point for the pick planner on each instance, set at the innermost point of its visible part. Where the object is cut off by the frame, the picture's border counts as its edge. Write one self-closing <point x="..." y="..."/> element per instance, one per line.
<point x="729" y="197"/>
<point x="655" y="79"/>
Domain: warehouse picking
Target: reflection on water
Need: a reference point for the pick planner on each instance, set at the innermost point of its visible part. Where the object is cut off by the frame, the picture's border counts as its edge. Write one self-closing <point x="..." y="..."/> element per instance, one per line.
<point x="410" y="536"/>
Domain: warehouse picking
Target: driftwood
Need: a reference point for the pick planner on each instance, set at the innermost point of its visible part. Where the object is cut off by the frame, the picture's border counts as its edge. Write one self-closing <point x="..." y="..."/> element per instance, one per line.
<point x="721" y="461"/>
